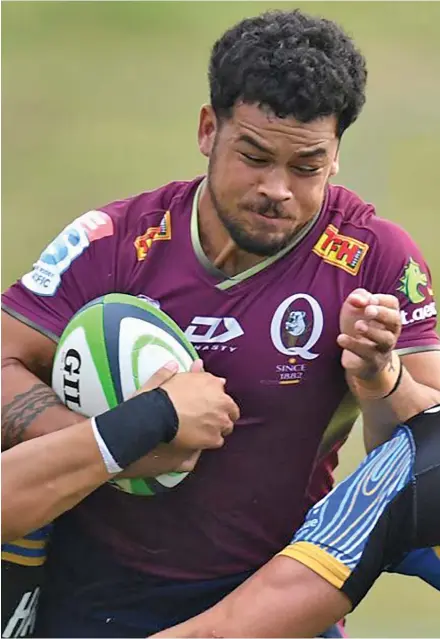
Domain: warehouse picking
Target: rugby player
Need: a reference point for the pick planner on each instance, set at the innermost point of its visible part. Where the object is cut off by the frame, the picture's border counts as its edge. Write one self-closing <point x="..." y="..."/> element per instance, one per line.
<point x="291" y="288"/>
<point x="383" y="517"/>
<point x="68" y="464"/>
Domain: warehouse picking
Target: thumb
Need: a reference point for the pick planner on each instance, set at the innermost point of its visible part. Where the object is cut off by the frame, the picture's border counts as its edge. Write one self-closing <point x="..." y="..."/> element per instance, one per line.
<point x="161" y="376"/>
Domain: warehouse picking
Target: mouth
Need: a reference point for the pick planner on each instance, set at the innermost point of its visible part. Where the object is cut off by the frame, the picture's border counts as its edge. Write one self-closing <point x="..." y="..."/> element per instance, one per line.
<point x="272" y="219"/>
<point x="269" y="215"/>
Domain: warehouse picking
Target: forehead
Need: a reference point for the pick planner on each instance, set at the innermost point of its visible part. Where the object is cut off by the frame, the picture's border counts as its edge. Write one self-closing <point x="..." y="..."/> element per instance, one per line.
<point x="249" y="120"/>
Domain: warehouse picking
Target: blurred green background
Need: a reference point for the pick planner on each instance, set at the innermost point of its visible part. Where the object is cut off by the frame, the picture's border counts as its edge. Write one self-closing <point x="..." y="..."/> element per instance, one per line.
<point x="101" y="99"/>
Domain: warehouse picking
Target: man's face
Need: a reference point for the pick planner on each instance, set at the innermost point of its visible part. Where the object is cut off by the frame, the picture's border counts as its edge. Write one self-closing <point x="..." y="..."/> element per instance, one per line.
<point x="266" y="175"/>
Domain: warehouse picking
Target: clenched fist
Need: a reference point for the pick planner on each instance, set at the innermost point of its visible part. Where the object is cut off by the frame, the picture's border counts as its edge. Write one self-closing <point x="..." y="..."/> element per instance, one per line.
<point x="206" y="413"/>
<point x="206" y="416"/>
<point x="370" y="326"/>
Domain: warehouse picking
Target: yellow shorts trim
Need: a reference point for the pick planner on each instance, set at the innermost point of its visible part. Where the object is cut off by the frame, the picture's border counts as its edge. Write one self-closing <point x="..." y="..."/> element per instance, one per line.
<point x="318" y="560"/>
<point x="22" y="560"/>
<point x="35" y="544"/>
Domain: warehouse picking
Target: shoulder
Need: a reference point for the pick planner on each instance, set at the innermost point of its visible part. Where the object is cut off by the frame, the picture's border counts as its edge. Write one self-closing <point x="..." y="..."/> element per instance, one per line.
<point x="136" y="210"/>
<point x="385" y="244"/>
<point x="360" y="217"/>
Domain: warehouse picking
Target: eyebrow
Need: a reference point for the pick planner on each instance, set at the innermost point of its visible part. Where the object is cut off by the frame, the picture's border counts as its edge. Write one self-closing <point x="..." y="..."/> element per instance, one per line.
<point x="249" y="140"/>
<point x="318" y="152"/>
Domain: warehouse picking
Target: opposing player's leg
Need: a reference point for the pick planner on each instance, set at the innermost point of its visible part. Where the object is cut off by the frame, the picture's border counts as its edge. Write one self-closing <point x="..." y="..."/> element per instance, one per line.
<point x="365" y="526"/>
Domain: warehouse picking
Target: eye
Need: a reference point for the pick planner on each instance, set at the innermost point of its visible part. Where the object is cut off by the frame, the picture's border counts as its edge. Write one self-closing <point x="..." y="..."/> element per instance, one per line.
<point x="253" y="159"/>
<point x="307" y="170"/>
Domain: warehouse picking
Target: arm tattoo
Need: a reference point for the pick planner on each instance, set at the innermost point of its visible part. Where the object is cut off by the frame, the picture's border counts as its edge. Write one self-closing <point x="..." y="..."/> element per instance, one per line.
<point x="23" y="410"/>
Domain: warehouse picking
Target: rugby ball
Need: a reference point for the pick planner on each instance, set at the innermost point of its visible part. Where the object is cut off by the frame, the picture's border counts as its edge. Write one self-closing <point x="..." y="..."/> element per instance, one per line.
<point x="109" y="349"/>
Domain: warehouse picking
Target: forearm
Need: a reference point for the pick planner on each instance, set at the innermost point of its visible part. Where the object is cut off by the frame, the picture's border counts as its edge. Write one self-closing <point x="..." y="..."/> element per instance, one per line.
<point x="29" y="407"/>
<point x="45" y="477"/>
<point x="283" y="599"/>
<point x="381" y="416"/>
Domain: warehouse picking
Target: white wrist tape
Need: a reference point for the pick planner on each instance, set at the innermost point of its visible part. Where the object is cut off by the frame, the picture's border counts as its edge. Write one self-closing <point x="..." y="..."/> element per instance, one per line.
<point x="109" y="461"/>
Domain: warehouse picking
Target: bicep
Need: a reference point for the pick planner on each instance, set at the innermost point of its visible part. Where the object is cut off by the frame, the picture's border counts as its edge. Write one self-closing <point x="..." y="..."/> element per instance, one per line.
<point x="30" y="408"/>
<point x="22" y="344"/>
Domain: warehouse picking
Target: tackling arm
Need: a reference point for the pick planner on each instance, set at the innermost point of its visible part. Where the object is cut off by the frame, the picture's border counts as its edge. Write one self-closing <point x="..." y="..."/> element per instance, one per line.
<point x="29" y="407"/>
<point x="330" y="566"/>
<point x="283" y="599"/>
<point x="44" y="477"/>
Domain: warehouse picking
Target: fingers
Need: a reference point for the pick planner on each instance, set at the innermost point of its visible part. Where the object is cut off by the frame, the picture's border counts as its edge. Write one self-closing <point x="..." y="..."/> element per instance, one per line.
<point x="233" y="410"/>
<point x="376" y="331"/>
<point x="197" y="366"/>
<point x="389" y="301"/>
<point x="363" y="347"/>
<point x="380" y="328"/>
<point x="388" y="317"/>
<point x="380" y="338"/>
<point x="161" y="376"/>
<point x="361" y="298"/>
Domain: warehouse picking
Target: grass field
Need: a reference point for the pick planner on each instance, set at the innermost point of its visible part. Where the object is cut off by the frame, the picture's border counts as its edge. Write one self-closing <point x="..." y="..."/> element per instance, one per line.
<point x="100" y="100"/>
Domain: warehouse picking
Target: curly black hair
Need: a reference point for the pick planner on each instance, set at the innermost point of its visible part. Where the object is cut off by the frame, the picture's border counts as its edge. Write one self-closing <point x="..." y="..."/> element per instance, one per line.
<point x="292" y="63"/>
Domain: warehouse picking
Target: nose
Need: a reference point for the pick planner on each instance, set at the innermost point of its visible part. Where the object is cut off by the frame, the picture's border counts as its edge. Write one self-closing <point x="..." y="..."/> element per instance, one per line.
<point x="275" y="186"/>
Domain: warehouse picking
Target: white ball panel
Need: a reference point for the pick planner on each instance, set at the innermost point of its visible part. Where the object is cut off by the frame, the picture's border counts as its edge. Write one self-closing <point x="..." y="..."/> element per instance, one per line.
<point x="170" y="480"/>
<point x="160" y="348"/>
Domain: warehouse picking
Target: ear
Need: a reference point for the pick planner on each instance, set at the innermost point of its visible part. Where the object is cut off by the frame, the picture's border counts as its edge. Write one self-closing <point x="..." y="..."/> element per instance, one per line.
<point x="334" y="169"/>
<point x="208" y="125"/>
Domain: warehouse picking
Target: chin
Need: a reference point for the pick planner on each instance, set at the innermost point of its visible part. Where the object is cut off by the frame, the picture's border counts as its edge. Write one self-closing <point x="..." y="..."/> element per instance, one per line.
<point x="261" y="246"/>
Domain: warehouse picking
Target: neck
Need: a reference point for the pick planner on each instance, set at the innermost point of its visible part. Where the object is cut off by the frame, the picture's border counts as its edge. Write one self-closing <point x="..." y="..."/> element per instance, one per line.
<point x="218" y="246"/>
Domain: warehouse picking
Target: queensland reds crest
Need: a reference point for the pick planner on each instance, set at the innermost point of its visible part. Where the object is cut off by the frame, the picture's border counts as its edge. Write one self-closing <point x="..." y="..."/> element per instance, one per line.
<point x="297" y="325"/>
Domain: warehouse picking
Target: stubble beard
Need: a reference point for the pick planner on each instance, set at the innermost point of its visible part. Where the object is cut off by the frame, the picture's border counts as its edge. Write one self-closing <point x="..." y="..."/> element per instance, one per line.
<point x="262" y="247"/>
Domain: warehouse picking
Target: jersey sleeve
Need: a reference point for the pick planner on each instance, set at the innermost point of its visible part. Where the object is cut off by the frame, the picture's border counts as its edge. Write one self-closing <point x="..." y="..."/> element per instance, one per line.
<point x="399" y="268"/>
<point x="346" y="535"/>
<point x="76" y="267"/>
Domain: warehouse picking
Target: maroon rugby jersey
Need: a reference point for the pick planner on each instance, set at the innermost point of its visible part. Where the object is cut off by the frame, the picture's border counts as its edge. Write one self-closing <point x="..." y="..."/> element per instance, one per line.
<point x="271" y="331"/>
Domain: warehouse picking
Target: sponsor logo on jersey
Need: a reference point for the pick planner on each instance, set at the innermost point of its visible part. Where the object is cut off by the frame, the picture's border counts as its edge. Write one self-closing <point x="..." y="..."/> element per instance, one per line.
<point x="341" y="250"/>
<point x="296" y="327"/>
<point x="143" y="242"/>
<point x="414" y="283"/>
<point x="418" y="314"/>
<point x="212" y="333"/>
<point x="45" y="278"/>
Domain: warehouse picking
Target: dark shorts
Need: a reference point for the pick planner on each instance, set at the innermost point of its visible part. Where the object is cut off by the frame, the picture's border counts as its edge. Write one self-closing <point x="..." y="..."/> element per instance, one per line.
<point x="383" y="517"/>
<point x="88" y="595"/>
<point x="22" y="578"/>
